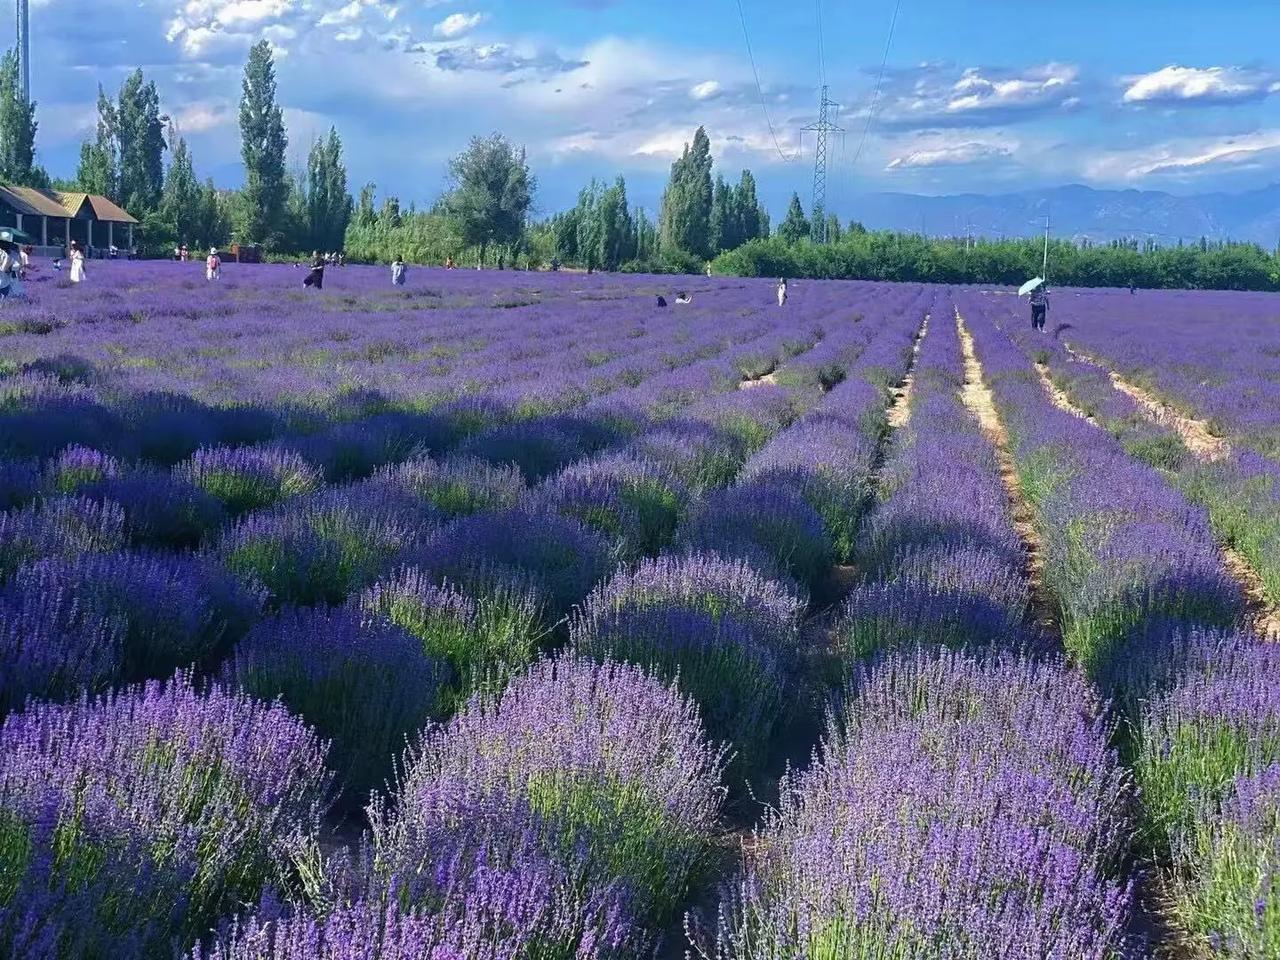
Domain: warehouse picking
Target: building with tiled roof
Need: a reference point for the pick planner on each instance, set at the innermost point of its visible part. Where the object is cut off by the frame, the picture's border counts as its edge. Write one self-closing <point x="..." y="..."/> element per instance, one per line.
<point x="55" y="218"/>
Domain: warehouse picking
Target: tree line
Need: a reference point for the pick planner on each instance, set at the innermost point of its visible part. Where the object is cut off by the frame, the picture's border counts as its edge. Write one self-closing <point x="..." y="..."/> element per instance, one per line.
<point x="485" y="215"/>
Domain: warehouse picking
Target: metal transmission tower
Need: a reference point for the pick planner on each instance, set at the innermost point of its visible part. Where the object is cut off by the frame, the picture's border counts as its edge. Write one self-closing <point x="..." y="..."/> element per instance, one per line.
<point x="24" y="49"/>
<point x="826" y="125"/>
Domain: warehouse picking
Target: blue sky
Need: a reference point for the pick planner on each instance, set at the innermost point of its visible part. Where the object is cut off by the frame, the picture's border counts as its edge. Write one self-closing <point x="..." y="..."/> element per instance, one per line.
<point x="984" y="96"/>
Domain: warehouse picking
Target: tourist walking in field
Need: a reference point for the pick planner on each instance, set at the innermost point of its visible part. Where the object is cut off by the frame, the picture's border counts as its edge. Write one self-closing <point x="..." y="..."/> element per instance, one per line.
<point x="399" y="272"/>
<point x="1039" y="307"/>
<point x="8" y="254"/>
<point x="77" y="262"/>
<point x="782" y="291"/>
<point x="315" y="277"/>
<point x="213" y="265"/>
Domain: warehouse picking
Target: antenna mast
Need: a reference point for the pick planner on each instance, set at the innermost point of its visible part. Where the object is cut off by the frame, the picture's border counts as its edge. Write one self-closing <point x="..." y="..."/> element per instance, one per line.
<point x="823" y="128"/>
<point x="24" y="49"/>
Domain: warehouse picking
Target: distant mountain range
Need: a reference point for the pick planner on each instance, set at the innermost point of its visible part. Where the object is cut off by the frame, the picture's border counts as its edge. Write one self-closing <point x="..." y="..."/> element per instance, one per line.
<point x="1082" y="213"/>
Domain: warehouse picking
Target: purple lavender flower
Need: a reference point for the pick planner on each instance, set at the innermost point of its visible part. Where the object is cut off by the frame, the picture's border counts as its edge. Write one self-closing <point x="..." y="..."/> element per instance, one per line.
<point x="249" y="478"/>
<point x="756" y="520"/>
<point x="364" y="683"/>
<point x="614" y="764"/>
<point x="188" y="798"/>
<point x="76" y="467"/>
<point x="728" y="635"/>
<point x="459" y="486"/>
<point x="486" y="640"/>
<point x="58" y="527"/>
<point x="557" y="557"/>
<point x="636" y="503"/>
<point x="960" y="808"/>
<point x="174" y="611"/>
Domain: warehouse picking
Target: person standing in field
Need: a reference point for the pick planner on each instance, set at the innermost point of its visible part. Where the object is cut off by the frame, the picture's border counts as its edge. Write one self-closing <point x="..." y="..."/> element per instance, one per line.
<point x="782" y="291"/>
<point x="8" y="253"/>
<point x="213" y="265"/>
<point x="315" y="277"/>
<point x="1039" y="307"/>
<point x="77" y="262"/>
<point x="399" y="272"/>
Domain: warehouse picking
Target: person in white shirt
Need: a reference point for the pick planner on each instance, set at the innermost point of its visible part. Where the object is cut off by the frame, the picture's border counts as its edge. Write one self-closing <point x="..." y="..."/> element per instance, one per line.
<point x="77" y="262"/>
<point x="399" y="272"/>
<point x="782" y="291"/>
<point x="213" y="265"/>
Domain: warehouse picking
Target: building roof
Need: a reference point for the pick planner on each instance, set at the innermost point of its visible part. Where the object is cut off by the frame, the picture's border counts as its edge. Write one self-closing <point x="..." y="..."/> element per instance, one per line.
<point x="103" y="209"/>
<point x="31" y="202"/>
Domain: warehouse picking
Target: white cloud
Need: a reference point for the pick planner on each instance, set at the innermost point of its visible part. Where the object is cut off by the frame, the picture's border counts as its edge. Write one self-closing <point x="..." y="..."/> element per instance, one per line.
<point x="1187" y="158"/>
<point x="950" y="155"/>
<point x="931" y="95"/>
<point x="707" y="90"/>
<point x="1177" y="84"/>
<point x="457" y="24"/>
<point x="200" y="116"/>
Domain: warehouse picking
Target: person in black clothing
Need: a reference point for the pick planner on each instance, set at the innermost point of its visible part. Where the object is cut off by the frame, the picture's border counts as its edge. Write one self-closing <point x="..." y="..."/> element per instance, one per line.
<point x="315" y="277"/>
<point x="662" y="301"/>
<point x="1039" y="307"/>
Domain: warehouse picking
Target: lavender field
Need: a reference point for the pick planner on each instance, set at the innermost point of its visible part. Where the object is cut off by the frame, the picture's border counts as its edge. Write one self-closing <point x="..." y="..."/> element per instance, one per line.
<point x="509" y="615"/>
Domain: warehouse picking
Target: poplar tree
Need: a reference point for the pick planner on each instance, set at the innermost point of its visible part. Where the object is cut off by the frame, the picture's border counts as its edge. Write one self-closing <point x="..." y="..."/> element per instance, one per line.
<point x="17" y="129"/>
<point x="262" y="148"/>
<point x="685" y="220"/>
<point x="139" y="135"/>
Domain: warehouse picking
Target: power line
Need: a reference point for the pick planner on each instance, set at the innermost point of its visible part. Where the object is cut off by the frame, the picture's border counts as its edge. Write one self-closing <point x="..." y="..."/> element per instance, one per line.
<point x="875" y="97"/>
<point x="822" y="54"/>
<point x="764" y="106"/>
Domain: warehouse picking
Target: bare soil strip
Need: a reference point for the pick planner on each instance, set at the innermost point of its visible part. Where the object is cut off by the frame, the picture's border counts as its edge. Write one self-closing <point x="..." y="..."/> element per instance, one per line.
<point x="900" y="411"/>
<point x="1264" y="613"/>
<point x="768" y="380"/>
<point x="1196" y="434"/>
<point x="1059" y="396"/>
<point x="978" y="399"/>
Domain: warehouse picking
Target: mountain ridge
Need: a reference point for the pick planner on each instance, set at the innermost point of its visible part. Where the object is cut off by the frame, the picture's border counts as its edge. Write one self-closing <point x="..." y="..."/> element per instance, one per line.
<point x="1082" y="213"/>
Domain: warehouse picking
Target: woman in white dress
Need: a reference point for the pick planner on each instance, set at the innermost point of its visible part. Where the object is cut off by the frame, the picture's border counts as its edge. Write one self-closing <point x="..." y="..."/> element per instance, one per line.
<point x="213" y="265"/>
<point x="782" y="292"/>
<point x="77" y="262"/>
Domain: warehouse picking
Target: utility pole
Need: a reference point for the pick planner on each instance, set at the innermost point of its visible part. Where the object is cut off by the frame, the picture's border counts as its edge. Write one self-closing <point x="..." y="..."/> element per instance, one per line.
<point x="823" y="128"/>
<point x="24" y="49"/>
<point x="1044" y="270"/>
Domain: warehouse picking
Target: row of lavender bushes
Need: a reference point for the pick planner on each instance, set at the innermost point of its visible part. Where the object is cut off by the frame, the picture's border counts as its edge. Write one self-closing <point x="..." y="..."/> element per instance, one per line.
<point x="965" y="800"/>
<point x="1240" y="489"/>
<point x="1149" y="609"/>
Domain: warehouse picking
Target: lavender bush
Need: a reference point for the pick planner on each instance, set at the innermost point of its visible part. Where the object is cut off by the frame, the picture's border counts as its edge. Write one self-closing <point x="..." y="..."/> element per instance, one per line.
<point x="486" y="641"/>
<point x="614" y="765"/>
<point x="365" y="684"/>
<point x="137" y="820"/>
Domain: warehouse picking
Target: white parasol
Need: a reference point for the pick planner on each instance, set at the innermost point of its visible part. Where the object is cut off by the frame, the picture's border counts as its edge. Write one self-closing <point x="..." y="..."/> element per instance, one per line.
<point x="1030" y="285"/>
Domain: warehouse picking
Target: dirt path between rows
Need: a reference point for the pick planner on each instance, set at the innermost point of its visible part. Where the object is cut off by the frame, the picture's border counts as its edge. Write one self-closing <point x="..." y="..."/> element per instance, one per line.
<point x="978" y="399"/>
<point x="900" y="410"/>
<point x="1059" y="396"/>
<point x="768" y="380"/>
<point x="1196" y="434"/>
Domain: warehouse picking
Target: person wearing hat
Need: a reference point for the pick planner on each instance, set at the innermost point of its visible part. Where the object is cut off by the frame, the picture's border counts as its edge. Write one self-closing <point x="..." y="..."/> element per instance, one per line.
<point x="213" y="265"/>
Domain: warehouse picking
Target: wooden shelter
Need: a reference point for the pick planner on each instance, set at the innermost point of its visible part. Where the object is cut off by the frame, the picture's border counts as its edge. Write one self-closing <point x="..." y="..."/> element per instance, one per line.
<point x="85" y="217"/>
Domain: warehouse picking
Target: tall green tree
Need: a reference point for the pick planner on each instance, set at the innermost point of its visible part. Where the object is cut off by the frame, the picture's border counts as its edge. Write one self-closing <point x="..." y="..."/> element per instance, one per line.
<point x="139" y="133"/>
<point x="183" y="197"/>
<point x="366" y="211"/>
<point x="328" y="202"/>
<point x="17" y="129"/>
<point x="722" y="231"/>
<point x="685" y="220"/>
<point x="796" y="226"/>
<point x="262" y="148"/>
<point x="99" y="158"/>
<point x="747" y="210"/>
<point x="492" y="192"/>
<point x="589" y="241"/>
